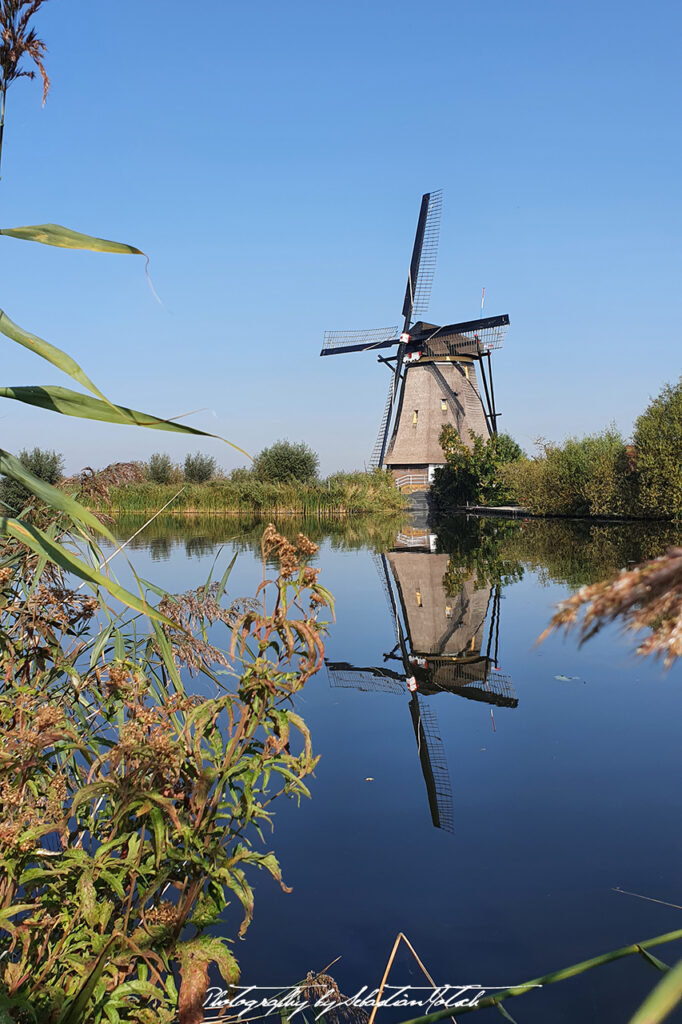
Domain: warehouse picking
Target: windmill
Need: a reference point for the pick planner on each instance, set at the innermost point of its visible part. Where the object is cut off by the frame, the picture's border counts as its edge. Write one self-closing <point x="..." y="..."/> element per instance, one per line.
<point x="439" y="648"/>
<point x="434" y="369"/>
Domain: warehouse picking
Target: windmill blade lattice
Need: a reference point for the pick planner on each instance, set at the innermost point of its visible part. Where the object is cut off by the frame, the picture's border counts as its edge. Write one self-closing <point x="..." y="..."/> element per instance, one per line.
<point x="423" y="265"/>
<point x="379" y="444"/>
<point x="358" y="341"/>
<point x="351" y="677"/>
<point x="434" y="763"/>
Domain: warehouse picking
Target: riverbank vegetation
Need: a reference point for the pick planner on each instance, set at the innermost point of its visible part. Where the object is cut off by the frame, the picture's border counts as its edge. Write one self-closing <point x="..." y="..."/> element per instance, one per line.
<point x="600" y="475"/>
<point x="132" y="807"/>
<point x="283" y="481"/>
<point x="245" y="493"/>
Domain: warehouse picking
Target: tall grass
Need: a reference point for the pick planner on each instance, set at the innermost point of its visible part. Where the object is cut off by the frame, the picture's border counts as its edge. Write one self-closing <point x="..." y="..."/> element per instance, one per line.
<point x="341" y="494"/>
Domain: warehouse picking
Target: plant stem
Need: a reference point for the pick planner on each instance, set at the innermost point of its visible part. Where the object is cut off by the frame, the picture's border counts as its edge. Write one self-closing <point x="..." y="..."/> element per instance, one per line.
<point x="2" y="121"/>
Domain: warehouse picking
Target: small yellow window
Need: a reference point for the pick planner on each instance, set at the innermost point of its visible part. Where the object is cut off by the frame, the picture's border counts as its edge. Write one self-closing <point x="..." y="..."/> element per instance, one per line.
<point x="415" y="417"/>
<point x="443" y="405"/>
<point x="419" y="598"/>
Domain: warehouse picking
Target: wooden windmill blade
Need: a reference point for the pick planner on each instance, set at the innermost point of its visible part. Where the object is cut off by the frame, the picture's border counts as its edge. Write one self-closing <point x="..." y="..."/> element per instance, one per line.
<point x="337" y="342"/>
<point x="473" y="679"/>
<point x="424" y="255"/>
<point x="434" y="763"/>
<point x="343" y="675"/>
<point x="472" y="337"/>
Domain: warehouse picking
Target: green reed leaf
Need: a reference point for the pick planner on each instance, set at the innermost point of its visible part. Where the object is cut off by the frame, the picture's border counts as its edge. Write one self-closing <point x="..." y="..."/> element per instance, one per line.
<point x="73" y="403"/>
<point x="39" y="542"/>
<point x="662" y="999"/>
<point x="65" y="238"/>
<point x="52" y="496"/>
<point x="47" y="351"/>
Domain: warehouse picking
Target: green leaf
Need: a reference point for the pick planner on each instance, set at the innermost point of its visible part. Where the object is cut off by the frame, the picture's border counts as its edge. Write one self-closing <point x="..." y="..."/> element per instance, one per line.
<point x="165" y="649"/>
<point x="73" y="1011"/>
<point x="73" y="403"/>
<point x="119" y="646"/>
<point x="52" y="496"/>
<point x="65" y="238"/>
<point x="226" y="575"/>
<point x="158" y="827"/>
<point x="663" y="999"/>
<point x="41" y="544"/>
<point x="47" y="351"/>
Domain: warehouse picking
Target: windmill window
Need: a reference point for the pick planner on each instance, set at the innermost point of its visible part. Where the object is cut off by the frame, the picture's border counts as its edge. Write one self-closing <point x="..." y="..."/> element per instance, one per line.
<point x="443" y="405"/>
<point x="415" y="417"/>
<point x="418" y="595"/>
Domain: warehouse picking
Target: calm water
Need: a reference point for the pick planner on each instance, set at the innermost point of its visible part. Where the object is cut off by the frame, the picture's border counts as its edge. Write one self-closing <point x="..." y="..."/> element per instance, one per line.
<point x="490" y="815"/>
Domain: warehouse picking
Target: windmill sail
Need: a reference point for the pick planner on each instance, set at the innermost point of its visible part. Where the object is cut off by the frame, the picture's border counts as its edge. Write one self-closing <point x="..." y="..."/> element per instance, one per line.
<point x="424" y="254"/>
<point x="377" y="456"/>
<point x="336" y="342"/>
<point x="434" y="763"/>
<point x="378" y="680"/>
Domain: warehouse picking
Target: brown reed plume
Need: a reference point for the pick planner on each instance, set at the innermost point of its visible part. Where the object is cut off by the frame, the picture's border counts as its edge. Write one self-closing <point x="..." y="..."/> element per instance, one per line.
<point x="19" y="40"/>
<point x="647" y="597"/>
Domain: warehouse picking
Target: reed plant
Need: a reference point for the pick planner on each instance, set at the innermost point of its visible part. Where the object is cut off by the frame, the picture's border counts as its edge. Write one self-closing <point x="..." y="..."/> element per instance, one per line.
<point x="133" y="810"/>
<point x="340" y="494"/>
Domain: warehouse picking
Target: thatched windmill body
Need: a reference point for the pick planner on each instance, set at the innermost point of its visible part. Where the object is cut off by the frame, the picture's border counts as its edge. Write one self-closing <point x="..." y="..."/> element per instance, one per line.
<point x="439" y="374"/>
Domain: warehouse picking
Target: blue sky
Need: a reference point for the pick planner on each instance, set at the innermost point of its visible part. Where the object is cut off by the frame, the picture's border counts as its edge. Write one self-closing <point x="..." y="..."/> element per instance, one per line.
<point x="270" y="158"/>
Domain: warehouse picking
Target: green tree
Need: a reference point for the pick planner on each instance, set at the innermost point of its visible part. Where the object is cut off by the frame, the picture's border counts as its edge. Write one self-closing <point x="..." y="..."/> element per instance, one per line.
<point x="285" y="460"/>
<point x="46" y="465"/>
<point x="472" y="474"/>
<point x="199" y="469"/>
<point x="160" y="468"/>
<point x="658" y="454"/>
<point x="508" y="449"/>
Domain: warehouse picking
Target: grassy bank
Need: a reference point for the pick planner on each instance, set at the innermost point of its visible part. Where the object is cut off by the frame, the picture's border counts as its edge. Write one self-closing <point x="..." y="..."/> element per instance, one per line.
<point x="341" y="494"/>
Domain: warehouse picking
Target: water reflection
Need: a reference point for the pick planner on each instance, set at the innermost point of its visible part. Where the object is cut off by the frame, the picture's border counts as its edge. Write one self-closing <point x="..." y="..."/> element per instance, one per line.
<point x="562" y="804"/>
<point x="445" y="642"/>
<point x="199" y="536"/>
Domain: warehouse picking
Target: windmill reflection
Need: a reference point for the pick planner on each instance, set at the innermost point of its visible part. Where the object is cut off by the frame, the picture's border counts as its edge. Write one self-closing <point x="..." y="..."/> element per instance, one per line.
<point x="443" y="643"/>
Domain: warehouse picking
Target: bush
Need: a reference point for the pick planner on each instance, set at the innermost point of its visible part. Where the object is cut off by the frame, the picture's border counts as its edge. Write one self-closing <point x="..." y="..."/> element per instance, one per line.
<point x="48" y="465"/>
<point x="285" y="461"/>
<point x="658" y="454"/>
<point x="240" y="475"/>
<point x="161" y="470"/>
<point x="199" y="469"/>
<point x="585" y="476"/>
<point x="472" y="474"/>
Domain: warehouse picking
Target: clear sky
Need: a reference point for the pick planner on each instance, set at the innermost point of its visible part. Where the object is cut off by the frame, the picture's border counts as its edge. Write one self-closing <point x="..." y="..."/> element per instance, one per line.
<point x="270" y="157"/>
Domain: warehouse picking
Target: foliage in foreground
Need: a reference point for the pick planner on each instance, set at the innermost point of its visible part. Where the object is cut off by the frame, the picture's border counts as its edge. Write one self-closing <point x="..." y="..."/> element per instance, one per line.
<point x="46" y="465"/>
<point x="647" y="597"/>
<point x="131" y="810"/>
<point x="655" y="1008"/>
